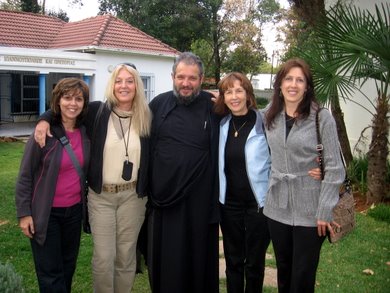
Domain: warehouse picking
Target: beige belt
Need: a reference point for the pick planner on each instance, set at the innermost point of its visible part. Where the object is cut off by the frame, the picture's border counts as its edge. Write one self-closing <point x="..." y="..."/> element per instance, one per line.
<point x="115" y="188"/>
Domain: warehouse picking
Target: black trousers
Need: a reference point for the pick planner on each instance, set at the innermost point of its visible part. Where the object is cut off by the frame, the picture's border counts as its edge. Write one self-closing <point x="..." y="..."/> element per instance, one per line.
<point x="297" y="251"/>
<point x="245" y="241"/>
<point x="55" y="261"/>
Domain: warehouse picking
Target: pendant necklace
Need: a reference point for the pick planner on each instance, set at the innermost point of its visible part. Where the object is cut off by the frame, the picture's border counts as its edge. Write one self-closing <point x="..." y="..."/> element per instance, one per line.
<point x="127" y="165"/>
<point x="236" y="131"/>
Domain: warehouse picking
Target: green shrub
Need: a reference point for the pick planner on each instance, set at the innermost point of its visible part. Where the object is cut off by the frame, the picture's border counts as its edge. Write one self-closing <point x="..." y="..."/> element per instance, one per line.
<point x="357" y="173"/>
<point x="381" y="213"/>
<point x="10" y="281"/>
<point x="261" y="102"/>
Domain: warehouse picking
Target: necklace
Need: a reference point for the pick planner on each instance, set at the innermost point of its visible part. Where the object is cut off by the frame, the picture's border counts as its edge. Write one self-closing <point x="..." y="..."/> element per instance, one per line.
<point x="236" y="131"/>
<point x="123" y="133"/>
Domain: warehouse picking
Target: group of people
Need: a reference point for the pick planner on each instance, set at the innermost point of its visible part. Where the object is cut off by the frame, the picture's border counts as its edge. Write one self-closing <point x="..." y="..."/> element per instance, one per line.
<point x="187" y="163"/>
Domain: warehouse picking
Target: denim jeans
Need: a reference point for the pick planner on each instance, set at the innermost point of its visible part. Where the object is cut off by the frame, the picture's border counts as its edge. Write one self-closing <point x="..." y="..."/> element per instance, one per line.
<point x="55" y="261"/>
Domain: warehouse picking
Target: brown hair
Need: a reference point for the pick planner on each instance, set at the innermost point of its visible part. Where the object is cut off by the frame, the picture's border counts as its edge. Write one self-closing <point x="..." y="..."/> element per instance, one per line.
<point x="277" y="103"/>
<point x="226" y="83"/>
<point x="71" y="86"/>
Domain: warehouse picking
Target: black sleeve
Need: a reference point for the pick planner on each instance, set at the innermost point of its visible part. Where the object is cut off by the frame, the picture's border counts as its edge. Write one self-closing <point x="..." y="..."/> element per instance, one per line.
<point x="47" y="116"/>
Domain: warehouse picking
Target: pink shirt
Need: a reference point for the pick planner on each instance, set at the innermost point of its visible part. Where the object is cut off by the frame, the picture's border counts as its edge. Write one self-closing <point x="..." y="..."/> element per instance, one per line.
<point x="68" y="182"/>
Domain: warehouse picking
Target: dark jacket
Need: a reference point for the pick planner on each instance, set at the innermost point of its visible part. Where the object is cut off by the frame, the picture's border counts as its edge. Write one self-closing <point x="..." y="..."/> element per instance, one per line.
<point x="96" y="123"/>
<point x="97" y="131"/>
<point x="161" y="106"/>
<point x="36" y="185"/>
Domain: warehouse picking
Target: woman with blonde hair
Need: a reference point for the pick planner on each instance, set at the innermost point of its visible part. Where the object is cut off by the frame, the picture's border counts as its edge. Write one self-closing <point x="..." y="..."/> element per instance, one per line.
<point x="119" y="130"/>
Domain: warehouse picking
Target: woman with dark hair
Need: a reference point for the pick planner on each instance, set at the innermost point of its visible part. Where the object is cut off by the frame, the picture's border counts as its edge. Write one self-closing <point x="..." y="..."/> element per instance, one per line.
<point x="299" y="208"/>
<point x="244" y="164"/>
<point x="49" y="192"/>
<point x="118" y="188"/>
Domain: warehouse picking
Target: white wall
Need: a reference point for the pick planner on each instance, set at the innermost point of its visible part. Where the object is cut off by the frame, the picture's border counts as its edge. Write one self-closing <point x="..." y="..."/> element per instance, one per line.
<point x="158" y="66"/>
<point x="263" y="81"/>
<point x="355" y="117"/>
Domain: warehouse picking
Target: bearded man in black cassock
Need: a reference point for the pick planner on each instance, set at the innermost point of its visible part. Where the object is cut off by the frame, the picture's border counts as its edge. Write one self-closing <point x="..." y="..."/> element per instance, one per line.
<point x="183" y="206"/>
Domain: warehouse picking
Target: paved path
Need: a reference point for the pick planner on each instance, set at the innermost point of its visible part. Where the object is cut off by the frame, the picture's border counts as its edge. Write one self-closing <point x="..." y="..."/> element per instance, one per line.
<point x="16" y="129"/>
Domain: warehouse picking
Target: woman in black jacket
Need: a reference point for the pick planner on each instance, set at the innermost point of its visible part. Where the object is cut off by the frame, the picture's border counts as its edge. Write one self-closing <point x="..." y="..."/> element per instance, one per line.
<point x="119" y="130"/>
<point x="49" y="192"/>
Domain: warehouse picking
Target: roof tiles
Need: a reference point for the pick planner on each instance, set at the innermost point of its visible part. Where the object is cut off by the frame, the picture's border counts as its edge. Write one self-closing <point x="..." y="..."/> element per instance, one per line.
<point x="29" y="30"/>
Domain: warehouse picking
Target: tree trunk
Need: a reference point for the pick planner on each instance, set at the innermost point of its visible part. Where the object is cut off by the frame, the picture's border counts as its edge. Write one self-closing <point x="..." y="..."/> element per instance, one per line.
<point x="378" y="153"/>
<point x="309" y="13"/>
<point x="217" y="60"/>
<point x="338" y="116"/>
<point x="215" y="37"/>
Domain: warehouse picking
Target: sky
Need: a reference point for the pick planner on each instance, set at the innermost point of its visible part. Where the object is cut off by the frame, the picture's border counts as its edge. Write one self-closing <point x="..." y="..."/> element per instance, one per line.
<point x="91" y="8"/>
<point x="75" y="13"/>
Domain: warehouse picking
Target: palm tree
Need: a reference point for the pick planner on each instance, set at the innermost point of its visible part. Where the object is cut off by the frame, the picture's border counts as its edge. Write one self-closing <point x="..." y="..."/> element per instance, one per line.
<point x="330" y="86"/>
<point x="356" y="47"/>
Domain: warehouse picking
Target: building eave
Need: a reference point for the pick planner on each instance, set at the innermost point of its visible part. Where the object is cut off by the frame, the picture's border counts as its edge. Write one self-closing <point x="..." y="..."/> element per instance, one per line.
<point x="96" y="49"/>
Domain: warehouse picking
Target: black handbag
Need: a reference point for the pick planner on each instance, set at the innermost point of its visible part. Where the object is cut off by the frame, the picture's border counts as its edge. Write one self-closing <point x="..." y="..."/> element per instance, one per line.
<point x="344" y="211"/>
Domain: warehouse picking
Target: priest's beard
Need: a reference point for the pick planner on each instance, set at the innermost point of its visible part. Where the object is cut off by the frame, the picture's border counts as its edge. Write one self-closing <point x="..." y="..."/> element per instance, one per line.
<point x="185" y="100"/>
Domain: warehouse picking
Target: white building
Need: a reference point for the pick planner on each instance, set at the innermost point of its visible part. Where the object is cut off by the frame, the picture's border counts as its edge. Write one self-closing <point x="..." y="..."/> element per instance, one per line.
<point x="38" y="50"/>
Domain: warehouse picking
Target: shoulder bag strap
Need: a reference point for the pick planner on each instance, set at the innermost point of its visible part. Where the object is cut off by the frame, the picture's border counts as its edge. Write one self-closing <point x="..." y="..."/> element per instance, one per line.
<point x="319" y="145"/>
<point x="320" y="149"/>
<point x="65" y="143"/>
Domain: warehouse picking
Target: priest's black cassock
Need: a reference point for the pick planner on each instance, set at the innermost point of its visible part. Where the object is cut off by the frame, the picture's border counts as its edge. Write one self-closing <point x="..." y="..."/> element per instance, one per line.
<point x="183" y="206"/>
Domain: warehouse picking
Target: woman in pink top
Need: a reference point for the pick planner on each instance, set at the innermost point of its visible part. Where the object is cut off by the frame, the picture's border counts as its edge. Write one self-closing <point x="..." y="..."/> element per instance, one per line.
<point x="49" y="192"/>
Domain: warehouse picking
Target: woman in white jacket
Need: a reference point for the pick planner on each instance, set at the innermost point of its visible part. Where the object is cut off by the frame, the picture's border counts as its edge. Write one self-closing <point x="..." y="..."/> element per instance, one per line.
<point x="244" y="164"/>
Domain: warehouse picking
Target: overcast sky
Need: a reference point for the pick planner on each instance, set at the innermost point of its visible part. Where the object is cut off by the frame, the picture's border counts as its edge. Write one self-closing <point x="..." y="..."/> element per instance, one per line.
<point x="91" y="8"/>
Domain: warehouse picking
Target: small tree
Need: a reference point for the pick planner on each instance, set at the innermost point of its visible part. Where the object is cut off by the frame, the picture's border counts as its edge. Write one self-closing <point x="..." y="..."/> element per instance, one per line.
<point x="61" y="14"/>
<point x="30" y="6"/>
<point x="361" y="41"/>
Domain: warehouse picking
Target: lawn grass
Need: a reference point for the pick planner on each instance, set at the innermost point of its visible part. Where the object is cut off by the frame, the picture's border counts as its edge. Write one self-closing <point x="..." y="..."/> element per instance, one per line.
<point x="340" y="270"/>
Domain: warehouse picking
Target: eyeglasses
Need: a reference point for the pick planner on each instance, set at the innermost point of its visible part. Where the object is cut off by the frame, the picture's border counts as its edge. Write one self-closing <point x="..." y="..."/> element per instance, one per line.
<point x="128" y="64"/>
<point x="111" y="68"/>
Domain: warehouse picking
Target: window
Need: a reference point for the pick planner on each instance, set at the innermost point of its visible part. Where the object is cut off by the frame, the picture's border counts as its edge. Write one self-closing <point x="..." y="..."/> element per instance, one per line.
<point x="25" y="92"/>
<point x="30" y="93"/>
<point x="148" y="81"/>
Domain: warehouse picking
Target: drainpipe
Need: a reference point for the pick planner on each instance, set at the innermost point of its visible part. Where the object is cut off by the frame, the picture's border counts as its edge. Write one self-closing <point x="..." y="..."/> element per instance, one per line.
<point x="42" y="93"/>
<point x="87" y="79"/>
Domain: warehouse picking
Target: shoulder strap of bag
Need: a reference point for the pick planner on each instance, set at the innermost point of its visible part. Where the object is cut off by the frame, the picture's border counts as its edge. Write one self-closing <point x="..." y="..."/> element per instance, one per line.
<point x="319" y="145"/>
<point x="320" y="149"/>
<point x="60" y="135"/>
<point x="65" y="143"/>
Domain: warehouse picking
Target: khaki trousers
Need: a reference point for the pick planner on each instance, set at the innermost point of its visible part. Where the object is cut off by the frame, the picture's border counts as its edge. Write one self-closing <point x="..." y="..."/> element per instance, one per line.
<point x="116" y="219"/>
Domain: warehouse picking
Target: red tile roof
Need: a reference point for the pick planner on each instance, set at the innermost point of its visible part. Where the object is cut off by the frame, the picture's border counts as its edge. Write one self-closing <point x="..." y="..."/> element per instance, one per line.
<point x="29" y="30"/>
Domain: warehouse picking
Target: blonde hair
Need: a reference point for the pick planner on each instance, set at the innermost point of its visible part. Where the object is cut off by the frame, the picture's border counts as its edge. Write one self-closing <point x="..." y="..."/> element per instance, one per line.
<point x="141" y="113"/>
